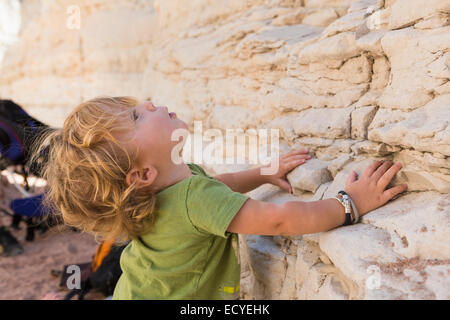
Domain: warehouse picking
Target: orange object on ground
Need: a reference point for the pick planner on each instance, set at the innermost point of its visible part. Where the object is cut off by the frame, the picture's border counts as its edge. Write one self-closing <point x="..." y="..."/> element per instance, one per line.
<point x="102" y="251"/>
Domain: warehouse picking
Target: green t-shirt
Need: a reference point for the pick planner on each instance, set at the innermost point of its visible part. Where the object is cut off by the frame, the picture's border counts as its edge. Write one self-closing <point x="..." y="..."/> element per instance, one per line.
<point x="188" y="254"/>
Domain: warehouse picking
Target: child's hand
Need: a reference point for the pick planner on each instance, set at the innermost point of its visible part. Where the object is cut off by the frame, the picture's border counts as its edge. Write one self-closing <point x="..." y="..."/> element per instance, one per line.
<point x="368" y="192"/>
<point x="287" y="162"/>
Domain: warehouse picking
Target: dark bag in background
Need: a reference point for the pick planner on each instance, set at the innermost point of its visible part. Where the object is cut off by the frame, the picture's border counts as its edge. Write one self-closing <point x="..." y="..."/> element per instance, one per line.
<point x="18" y="131"/>
<point x="101" y="275"/>
<point x="105" y="278"/>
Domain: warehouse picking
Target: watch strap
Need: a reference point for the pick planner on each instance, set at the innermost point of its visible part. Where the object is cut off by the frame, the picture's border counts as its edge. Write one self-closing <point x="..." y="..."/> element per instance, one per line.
<point x="348" y="216"/>
<point x="348" y="219"/>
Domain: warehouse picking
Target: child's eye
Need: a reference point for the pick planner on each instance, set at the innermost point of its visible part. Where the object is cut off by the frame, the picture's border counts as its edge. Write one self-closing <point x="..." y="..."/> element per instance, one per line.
<point x="135" y="115"/>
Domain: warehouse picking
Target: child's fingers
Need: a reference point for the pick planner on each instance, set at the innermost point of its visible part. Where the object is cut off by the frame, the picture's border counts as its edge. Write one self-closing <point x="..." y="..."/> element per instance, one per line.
<point x="386" y="178"/>
<point x="290" y="165"/>
<point x="294" y="152"/>
<point x="371" y="169"/>
<point x="392" y="192"/>
<point x="351" y="178"/>
<point x="296" y="157"/>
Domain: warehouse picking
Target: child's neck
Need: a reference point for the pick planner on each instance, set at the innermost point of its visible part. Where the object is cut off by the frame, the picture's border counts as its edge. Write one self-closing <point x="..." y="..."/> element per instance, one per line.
<point x="170" y="175"/>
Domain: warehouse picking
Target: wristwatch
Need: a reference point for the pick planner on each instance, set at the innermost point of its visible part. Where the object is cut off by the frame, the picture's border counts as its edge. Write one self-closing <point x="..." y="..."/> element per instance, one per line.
<point x="344" y="199"/>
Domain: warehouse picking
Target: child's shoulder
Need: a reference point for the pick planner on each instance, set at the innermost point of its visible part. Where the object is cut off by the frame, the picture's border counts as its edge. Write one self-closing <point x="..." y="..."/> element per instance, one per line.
<point x="205" y="186"/>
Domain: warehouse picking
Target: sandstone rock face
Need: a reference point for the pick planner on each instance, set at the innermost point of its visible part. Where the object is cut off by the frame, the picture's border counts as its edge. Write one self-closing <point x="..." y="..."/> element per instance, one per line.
<point x="9" y="24"/>
<point x="310" y="176"/>
<point x="353" y="81"/>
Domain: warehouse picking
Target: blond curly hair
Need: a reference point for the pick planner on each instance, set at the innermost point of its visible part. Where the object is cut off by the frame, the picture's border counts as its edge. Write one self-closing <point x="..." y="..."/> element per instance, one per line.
<point x="86" y="171"/>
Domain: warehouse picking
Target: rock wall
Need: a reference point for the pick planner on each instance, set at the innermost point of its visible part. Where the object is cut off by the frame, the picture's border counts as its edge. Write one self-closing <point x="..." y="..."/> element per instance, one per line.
<point x="71" y="52"/>
<point x="10" y="20"/>
<point x="353" y="81"/>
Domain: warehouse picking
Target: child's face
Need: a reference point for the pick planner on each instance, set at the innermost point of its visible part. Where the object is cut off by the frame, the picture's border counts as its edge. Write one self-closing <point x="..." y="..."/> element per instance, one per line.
<point x="153" y="130"/>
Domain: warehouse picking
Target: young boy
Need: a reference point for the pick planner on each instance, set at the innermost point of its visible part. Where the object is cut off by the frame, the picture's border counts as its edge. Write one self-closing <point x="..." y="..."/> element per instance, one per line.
<point x="111" y="172"/>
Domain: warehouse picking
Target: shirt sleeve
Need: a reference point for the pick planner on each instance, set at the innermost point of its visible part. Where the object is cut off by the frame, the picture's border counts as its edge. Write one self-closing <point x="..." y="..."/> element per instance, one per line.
<point x="211" y="205"/>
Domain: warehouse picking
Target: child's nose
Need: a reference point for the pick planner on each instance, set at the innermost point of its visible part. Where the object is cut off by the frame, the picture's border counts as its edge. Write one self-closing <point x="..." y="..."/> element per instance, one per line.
<point x="150" y="106"/>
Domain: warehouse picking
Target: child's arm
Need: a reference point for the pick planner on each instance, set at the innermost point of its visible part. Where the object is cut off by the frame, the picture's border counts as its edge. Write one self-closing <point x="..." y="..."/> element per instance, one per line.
<point x="247" y="180"/>
<point x="243" y="181"/>
<point x="298" y="217"/>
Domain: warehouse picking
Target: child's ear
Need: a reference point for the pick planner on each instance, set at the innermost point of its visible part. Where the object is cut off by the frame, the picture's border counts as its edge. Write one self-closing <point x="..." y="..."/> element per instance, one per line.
<point x="145" y="176"/>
